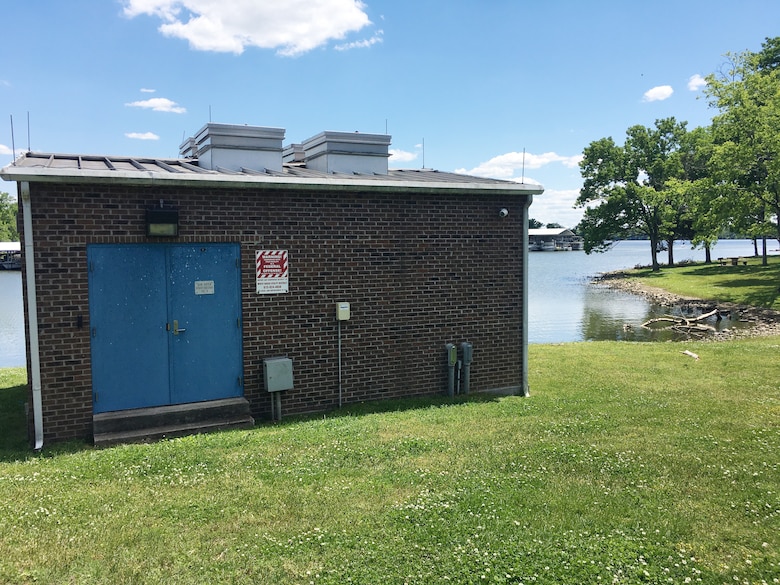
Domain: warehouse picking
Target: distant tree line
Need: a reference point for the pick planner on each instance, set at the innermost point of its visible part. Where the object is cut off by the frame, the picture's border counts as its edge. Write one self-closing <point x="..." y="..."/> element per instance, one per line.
<point x="535" y="224"/>
<point x="8" y="211"/>
<point x="669" y="183"/>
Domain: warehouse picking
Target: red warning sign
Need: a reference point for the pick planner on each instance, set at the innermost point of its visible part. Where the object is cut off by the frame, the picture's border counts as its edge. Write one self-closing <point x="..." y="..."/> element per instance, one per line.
<point x="272" y="271"/>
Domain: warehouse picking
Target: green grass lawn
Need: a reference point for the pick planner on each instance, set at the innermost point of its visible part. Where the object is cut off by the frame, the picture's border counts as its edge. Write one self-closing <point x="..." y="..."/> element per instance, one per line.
<point x="629" y="463"/>
<point x="752" y="284"/>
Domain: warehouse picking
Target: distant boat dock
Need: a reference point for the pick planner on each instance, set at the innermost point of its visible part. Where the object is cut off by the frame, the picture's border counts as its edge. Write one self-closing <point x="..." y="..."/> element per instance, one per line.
<point x="553" y="240"/>
<point x="10" y="256"/>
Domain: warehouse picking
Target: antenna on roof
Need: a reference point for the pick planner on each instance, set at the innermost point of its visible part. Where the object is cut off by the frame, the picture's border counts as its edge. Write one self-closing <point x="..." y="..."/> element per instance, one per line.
<point x="29" y="149"/>
<point x="13" y="142"/>
<point x="209" y="113"/>
<point x="423" y="152"/>
<point x="522" y="173"/>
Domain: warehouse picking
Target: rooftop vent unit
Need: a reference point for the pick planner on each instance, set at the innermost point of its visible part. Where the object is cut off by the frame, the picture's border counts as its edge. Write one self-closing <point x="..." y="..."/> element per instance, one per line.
<point x="293" y="154"/>
<point x="346" y="152"/>
<point x="234" y="147"/>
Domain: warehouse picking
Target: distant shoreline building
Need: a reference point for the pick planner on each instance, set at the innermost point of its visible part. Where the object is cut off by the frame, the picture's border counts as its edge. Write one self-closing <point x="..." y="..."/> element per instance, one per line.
<point x="247" y="279"/>
<point x="551" y="239"/>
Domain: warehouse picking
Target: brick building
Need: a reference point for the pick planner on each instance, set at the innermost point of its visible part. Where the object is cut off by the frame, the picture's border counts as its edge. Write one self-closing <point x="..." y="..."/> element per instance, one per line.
<point x="158" y="289"/>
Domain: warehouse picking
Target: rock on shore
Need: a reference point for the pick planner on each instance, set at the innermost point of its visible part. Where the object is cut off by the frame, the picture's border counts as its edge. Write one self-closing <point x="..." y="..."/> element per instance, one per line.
<point x="763" y="322"/>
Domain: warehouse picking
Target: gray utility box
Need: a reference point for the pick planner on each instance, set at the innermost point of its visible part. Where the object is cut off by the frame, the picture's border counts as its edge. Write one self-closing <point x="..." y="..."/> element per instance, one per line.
<point x="278" y="374"/>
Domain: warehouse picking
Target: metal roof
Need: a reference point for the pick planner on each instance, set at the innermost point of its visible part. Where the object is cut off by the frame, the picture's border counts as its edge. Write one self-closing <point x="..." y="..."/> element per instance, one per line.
<point x="550" y="232"/>
<point x="51" y="167"/>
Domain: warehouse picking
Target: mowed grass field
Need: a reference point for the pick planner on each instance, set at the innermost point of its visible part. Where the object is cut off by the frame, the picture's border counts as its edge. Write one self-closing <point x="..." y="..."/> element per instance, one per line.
<point x="746" y="284"/>
<point x="629" y="463"/>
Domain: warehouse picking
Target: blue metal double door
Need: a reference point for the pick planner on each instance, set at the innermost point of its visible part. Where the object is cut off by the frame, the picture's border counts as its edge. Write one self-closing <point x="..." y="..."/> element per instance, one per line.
<point x="165" y="324"/>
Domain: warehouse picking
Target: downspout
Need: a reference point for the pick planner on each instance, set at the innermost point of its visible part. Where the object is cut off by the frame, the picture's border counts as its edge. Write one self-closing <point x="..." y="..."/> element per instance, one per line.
<point x="32" y="314"/>
<point x="524" y="390"/>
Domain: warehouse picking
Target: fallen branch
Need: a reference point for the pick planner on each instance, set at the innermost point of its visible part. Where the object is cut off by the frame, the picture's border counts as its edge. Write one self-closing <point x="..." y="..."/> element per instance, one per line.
<point x="691" y="354"/>
<point x="684" y="321"/>
<point x="704" y="316"/>
<point x="672" y="320"/>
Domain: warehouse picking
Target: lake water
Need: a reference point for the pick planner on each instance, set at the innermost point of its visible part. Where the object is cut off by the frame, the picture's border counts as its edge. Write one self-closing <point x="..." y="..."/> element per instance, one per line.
<point x="12" y="351"/>
<point x="563" y="305"/>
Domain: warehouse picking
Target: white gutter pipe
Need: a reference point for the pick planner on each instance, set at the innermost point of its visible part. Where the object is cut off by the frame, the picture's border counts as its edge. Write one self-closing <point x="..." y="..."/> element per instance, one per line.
<point x="32" y="315"/>
<point x="524" y="390"/>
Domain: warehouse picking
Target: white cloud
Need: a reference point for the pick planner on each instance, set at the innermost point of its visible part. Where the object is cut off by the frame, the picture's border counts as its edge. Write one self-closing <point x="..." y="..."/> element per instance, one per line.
<point x="145" y="90"/>
<point x="399" y="156"/>
<point x="556" y="206"/>
<point x="659" y="93"/>
<point x="512" y="164"/>
<point x="292" y="27"/>
<point x="159" y="105"/>
<point x="364" y="44"/>
<point x="696" y="82"/>
<point x="5" y="150"/>
<point x="142" y="135"/>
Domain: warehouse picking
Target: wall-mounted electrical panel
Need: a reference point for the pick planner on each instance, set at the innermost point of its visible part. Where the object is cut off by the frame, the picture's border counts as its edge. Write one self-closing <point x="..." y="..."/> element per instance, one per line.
<point x="342" y="311"/>
<point x="278" y="374"/>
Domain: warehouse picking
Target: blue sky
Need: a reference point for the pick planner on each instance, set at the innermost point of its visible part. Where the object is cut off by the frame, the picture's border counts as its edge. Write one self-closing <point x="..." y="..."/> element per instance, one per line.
<point x="477" y="82"/>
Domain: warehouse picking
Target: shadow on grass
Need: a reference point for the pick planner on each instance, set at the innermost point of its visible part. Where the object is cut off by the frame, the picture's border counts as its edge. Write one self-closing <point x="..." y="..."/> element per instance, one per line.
<point x="393" y="405"/>
<point x="14" y="445"/>
<point x="752" y="284"/>
<point x="13" y="423"/>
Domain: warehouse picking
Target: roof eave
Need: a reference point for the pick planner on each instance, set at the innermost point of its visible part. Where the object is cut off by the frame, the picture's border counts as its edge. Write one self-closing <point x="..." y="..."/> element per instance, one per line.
<point x="50" y="175"/>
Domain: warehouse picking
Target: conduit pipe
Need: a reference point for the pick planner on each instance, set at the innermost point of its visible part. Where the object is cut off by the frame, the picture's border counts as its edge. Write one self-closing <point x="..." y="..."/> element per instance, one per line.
<point x="339" y="350"/>
<point x="32" y="315"/>
<point x="452" y="359"/>
<point x="467" y="351"/>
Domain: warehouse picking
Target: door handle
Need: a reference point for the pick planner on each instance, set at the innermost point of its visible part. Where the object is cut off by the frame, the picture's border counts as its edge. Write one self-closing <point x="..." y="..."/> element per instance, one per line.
<point x="176" y="329"/>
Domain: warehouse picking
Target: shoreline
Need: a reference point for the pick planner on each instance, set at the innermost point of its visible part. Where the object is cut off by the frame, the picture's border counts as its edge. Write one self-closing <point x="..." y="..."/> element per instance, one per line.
<point x="763" y="322"/>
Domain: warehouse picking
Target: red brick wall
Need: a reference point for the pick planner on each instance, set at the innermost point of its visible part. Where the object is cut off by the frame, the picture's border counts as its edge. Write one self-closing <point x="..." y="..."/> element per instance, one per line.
<point x="419" y="270"/>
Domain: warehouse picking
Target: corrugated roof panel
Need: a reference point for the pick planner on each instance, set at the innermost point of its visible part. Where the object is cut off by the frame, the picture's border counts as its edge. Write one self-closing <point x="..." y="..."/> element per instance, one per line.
<point x="99" y="167"/>
<point x="94" y="164"/>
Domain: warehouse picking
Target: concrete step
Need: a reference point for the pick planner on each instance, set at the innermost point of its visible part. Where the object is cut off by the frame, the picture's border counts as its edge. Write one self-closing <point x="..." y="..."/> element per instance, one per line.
<point x="150" y="424"/>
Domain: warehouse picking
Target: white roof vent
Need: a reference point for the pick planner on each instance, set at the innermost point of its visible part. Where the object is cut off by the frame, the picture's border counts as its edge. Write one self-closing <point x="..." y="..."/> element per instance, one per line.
<point x="235" y="147"/>
<point x="293" y="153"/>
<point x="347" y="152"/>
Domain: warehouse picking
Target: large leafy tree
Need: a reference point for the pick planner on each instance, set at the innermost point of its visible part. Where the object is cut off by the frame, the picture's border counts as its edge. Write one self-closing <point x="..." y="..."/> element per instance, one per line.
<point x="705" y="203"/>
<point x="8" y="212"/>
<point x="746" y="134"/>
<point x="625" y="188"/>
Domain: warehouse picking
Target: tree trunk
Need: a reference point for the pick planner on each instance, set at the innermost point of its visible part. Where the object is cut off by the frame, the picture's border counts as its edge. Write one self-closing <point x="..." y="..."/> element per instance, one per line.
<point x="654" y="253"/>
<point x="764" y="260"/>
<point x="670" y="251"/>
<point x="707" y="254"/>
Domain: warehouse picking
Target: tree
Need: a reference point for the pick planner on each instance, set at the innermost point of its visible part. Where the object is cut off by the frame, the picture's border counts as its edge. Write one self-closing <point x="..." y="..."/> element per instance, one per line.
<point x="534" y="224"/>
<point x="554" y="225"/>
<point x="8" y="212"/>
<point x="746" y="156"/>
<point x="705" y="202"/>
<point x="625" y="188"/>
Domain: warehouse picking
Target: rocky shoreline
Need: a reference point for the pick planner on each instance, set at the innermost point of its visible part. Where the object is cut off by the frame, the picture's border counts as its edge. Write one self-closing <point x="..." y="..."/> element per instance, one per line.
<point x="761" y="322"/>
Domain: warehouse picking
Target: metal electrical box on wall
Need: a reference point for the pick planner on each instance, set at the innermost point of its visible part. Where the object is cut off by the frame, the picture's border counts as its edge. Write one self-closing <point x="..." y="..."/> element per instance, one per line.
<point x="342" y="311"/>
<point x="278" y="374"/>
